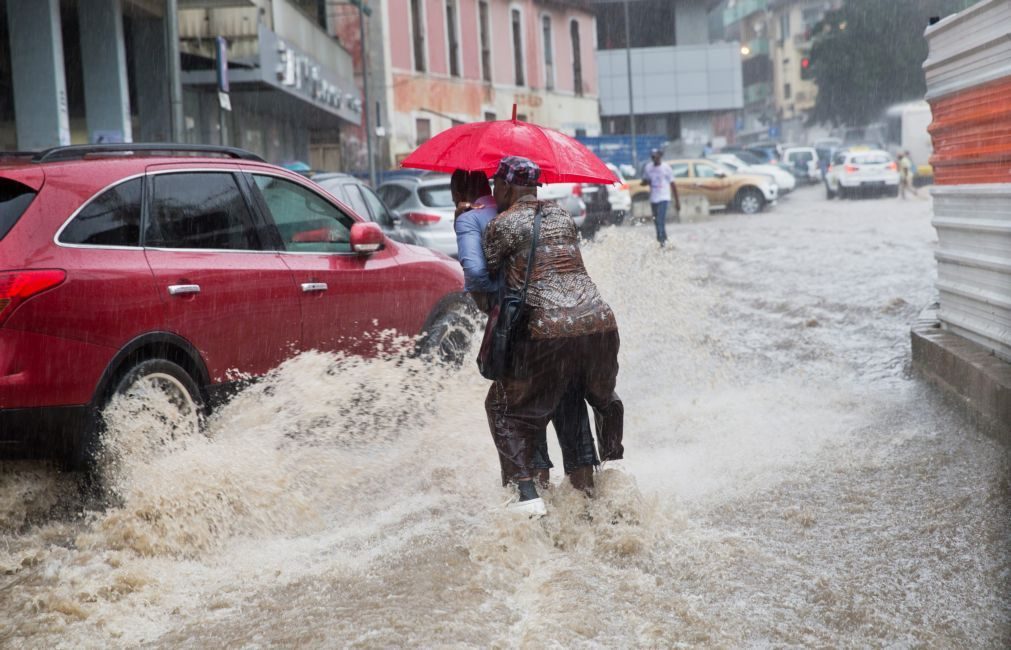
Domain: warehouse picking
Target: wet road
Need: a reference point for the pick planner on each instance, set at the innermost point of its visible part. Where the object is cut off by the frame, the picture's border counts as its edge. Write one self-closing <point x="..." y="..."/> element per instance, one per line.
<point x="787" y="482"/>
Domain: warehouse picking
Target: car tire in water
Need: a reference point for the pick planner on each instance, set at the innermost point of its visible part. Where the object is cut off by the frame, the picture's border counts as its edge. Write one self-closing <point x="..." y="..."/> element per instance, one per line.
<point x="750" y="200"/>
<point x="171" y="379"/>
<point x="449" y="338"/>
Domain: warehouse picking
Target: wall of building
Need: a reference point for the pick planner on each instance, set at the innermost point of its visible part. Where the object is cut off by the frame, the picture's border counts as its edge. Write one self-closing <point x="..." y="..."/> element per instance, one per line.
<point x="671" y="79"/>
<point x="439" y="99"/>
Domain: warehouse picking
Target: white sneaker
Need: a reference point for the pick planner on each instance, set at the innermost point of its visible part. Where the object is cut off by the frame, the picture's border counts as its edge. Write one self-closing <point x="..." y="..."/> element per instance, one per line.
<point x="532" y="508"/>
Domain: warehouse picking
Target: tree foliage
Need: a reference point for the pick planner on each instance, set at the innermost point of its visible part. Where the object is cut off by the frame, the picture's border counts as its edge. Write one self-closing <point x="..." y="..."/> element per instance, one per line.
<point x="869" y="55"/>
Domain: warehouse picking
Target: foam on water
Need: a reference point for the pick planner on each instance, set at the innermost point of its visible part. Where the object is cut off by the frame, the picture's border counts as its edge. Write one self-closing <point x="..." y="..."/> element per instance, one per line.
<point x="787" y="482"/>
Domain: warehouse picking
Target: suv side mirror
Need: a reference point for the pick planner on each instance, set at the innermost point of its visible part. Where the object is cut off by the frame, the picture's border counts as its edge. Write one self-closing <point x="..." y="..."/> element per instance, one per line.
<point x="720" y="173"/>
<point x="366" y="237"/>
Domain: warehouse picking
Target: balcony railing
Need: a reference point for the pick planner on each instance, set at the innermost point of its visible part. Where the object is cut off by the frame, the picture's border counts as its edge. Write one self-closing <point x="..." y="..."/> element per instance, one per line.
<point x="742" y="9"/>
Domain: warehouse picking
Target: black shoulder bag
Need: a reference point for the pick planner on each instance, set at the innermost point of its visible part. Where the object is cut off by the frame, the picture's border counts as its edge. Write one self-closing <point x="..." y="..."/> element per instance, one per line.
<point x="506" y="319"/>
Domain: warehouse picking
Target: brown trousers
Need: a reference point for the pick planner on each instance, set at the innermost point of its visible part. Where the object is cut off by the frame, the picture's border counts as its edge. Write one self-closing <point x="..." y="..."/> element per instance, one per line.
<point x="520" y="405"/>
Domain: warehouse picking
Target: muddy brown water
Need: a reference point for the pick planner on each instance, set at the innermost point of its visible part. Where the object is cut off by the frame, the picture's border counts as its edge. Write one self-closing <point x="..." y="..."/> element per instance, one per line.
<point x="788" y="482"/>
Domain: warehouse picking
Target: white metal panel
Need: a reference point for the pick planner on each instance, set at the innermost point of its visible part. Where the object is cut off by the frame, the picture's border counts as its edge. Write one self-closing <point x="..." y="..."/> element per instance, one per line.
<point x="672" y="79"/>
<point x="973" y="225"/>
<point x="969" y="48"/>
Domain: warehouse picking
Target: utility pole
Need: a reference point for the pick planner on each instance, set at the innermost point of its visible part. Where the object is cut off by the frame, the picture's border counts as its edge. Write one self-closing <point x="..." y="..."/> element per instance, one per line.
<point x="631" y="101"/>
<point x="174" y="76"/>
<point x="363" y="11"/>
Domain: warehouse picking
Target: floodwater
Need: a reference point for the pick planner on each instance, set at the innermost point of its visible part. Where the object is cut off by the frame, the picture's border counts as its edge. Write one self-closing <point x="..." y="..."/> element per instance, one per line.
<point x="787" y="481"/>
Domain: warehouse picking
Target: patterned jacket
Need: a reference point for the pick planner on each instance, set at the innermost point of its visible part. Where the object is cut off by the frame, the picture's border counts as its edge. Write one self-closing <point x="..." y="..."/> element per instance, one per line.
<point x="562" y="298"/>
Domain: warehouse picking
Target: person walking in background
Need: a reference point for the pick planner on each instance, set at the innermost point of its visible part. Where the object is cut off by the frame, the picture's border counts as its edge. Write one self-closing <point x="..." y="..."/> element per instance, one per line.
<point x="906" y="175"/>
<point x="475" y="209"/>
<point x="660" y="178"/>
<point x="570" y="336"/>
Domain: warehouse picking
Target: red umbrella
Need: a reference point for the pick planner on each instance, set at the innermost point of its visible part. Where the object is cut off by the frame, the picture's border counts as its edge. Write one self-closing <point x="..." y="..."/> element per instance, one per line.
<point x="480" y="146"/>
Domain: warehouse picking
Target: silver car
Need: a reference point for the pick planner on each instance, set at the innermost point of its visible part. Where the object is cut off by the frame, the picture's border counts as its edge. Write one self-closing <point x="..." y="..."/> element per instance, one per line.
<point x="363" y="200"/>
<point x="425" y="207"/>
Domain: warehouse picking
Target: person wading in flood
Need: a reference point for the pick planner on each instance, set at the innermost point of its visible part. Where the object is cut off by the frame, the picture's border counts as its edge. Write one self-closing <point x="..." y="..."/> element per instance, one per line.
<point x="570" y="337"/>
<point x="660" y="178"/>
<point x="475" y="209"/>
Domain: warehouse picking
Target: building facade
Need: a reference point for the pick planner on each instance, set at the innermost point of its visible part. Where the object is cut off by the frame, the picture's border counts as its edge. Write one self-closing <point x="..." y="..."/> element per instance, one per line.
<point x="86" y="71"/>
<point x="775" y="44"/>
<point x="448" y="62"/>
<point x="682" y="87"/>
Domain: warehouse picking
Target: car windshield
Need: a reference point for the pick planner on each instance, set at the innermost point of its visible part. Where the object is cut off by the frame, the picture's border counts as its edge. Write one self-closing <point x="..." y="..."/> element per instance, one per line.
<point x="436" y="196"/>
<point x="871" y="159"/>
<point x="749" y="157"/>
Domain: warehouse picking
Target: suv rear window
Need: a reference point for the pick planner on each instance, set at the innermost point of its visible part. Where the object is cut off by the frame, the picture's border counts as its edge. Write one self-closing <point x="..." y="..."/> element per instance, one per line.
<point x="436" y="196"/>
<point x="111" y="219"/>
<point x="871" y="159"/>
<point x="14" y="200"/>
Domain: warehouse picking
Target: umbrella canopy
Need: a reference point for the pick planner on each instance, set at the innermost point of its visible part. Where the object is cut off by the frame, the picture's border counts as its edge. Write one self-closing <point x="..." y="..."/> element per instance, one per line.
<point x="480" y="146"/>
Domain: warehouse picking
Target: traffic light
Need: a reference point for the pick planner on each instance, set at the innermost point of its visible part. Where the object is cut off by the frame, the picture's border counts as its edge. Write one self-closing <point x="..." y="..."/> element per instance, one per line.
<point x="805" y="68"/>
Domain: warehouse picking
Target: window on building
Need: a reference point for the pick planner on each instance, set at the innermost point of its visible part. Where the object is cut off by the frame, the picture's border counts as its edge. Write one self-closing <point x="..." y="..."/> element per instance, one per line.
<point x="199" y="210"/>
<point x="650" y="24"/>
<point x="577" y="59"/>
<point x="549" y="54"/>
<point x="489" y="116"/>
<point x="787" y="91"/>
<point x="418" y="30"/>
<point x="454" y="43"/>
<point x="485" y="34"/>
<point x="784" y="26"/>
<point x="517" y="26"/>
<point x="111" y="219"/>
<point x="423" y="128"/>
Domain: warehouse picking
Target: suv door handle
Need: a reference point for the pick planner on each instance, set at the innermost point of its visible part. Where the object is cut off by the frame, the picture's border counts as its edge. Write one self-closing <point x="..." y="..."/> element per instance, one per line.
<point x="309" y="287"/>
<point x="179" y="289"/>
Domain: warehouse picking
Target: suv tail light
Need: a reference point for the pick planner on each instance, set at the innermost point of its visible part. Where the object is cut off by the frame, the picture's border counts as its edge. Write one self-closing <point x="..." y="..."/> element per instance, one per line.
<point x="422" y="218"/>
<point x="892" y="166"/>
<point x="624" y="187"/>
<point x="18" y="286"/>
<point x="850" y="169"/>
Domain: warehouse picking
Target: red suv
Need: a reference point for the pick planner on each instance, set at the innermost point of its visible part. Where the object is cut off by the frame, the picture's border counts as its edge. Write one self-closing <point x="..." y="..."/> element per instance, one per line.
<point x="194" y="265"/>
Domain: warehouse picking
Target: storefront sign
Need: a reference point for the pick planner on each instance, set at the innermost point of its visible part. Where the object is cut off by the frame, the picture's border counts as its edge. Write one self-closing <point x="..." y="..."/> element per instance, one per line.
<point x="528" y="99"/>
<point x="299" y="72"/>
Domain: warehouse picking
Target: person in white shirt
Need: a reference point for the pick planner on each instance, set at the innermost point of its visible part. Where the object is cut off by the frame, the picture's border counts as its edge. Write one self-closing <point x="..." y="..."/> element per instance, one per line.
<point x="660" y="178"/>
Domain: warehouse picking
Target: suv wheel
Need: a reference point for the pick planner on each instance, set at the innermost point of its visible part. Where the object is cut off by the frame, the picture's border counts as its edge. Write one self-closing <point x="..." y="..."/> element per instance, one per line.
<point x="449" y="338"/>
<point x="168" y="398"/>
<point x="750" y="200"/>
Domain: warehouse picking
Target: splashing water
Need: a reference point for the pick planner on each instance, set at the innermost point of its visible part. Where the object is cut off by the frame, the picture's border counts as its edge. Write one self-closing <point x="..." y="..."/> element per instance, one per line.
<point x="787" y="481"/>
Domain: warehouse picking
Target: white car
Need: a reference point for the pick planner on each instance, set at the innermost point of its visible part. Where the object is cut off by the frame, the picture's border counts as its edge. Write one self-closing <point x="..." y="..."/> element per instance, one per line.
<point x="784" y="179"/>
<point x="620" y="196"/>
<point x="805" y="161"/>
<point x="862" y="171"/>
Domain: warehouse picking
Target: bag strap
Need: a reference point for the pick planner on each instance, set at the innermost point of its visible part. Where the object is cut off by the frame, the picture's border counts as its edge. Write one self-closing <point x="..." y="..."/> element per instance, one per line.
<point x="533" y="253"/>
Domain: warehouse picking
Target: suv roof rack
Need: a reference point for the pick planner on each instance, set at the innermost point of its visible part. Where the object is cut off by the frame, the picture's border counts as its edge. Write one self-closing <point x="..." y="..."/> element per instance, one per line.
<point x="79" y="151"/>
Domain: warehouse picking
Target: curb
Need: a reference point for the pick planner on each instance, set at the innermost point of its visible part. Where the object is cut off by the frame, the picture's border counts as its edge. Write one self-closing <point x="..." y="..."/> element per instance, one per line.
<point x="978" y="380"/>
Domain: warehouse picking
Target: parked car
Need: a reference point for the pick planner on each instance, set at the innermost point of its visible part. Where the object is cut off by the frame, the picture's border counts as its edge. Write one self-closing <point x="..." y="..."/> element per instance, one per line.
<point x="424" y="205"/>
<point x="784" y="179"/>
<point x="365" y="202"/>
<point x="805" y="161"/>
<point x="749" y="193"/>
<point x="863" y="171"/>
<point x="770" y="153"/>
<point x="619" y="195"/>
<point x="571" y="197"/>
<point x="180" y="268"/>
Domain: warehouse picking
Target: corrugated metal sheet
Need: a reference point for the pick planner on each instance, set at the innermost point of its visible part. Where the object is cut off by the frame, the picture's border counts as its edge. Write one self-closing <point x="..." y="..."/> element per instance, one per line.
<point x="973" y="225"/>
<point x="969" y="48"/>
<point x="968" y="73"/>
